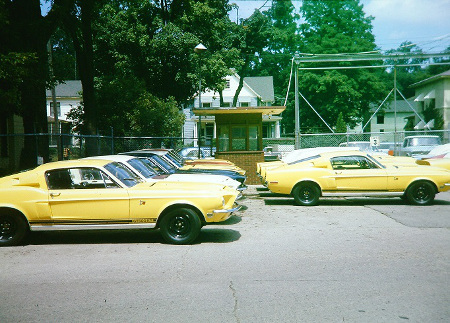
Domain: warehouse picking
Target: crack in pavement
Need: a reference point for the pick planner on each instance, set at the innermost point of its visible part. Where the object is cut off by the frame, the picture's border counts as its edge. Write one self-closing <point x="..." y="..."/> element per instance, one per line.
<point x="233" y="290"/>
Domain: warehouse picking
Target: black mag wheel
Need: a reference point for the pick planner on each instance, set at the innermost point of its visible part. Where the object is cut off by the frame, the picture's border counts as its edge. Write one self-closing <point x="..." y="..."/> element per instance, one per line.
<point x="180" y="226"/>
<point x="421" y="193"/>
<point x="306" y="194"/>
<point x="13" y="229"/>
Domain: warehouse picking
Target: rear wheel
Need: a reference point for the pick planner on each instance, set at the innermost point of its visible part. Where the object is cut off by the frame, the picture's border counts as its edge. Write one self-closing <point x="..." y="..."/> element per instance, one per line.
<point x="421" y="193"/>
<point x="13" y="229"/>
<point x="180" y="226"/>
<point x="306" y="194"/>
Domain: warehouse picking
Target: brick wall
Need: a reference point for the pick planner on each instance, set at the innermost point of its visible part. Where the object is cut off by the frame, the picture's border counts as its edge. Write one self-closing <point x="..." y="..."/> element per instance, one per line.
<point x="246" y="160"/>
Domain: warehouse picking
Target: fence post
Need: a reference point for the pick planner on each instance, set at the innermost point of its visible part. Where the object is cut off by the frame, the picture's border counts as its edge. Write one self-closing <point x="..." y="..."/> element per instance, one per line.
<point x="112" y="141"/>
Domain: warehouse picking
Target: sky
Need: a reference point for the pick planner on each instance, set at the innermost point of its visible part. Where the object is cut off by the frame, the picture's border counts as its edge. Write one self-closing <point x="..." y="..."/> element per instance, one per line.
<point x="422" y="22"/>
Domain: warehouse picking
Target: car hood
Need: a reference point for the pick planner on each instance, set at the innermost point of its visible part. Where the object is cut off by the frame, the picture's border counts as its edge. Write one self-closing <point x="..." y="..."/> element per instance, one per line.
<point x="186" y="188"/>
<point x="204" y="178"/>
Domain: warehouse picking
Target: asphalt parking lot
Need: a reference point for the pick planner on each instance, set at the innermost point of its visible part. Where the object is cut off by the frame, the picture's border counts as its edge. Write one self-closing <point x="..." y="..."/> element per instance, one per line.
<point x="345" y="260"/>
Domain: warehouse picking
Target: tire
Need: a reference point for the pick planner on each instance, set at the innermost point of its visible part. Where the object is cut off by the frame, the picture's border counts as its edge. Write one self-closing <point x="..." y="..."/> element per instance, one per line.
<point x="180" y="226"/>
<point x="13" y="229"/>
<point x="306" y="194"/>
<point x="421" y="193"/>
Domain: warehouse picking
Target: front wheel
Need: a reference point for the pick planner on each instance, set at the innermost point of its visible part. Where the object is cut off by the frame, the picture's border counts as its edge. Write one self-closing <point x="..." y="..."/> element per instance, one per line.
<point x="306" y="194"/>
<point x="180" y="226"/>
<point x="421" y="193"/>
<point x="13" y="229"/>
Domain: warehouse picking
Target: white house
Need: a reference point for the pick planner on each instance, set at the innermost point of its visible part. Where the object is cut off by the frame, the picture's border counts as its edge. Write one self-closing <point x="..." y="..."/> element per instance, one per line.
<point x="68" y="96"/>
<point x="256" y="91"/>
<point x="435" y="92"/>
<point x="394" y="117"/>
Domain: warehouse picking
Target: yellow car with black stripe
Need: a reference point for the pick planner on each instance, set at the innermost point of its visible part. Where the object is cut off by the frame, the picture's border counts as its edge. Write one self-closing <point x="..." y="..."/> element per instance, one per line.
<point x="353" y="173"/>
<point x="100" y="194"/>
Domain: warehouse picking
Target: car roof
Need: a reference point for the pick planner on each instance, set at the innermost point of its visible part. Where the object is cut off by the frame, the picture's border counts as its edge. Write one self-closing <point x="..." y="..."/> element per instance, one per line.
<point x="74" y="163"/>
<point x="343" y="153"/>
<point x="117" y="158"/>
<point x="422" y="136"/>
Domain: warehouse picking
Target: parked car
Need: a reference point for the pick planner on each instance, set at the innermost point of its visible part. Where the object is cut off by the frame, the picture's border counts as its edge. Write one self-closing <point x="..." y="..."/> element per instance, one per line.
<point x="297" y="156"/>
<point x="270" y="155"/>
<point x="100" y="194"/>
<point x="389" y="147"/>
<point x="186" y="167"/>
<point x="361" y="145"/>
<point x="418" y="145"/>
<point x="168" y="168"/>
<point x="149" y="174"/>
<point x="193" y="152"/>
<point x="355" y="174"/>
<point x="443" y="161"/>
<point x="437" y="152"/>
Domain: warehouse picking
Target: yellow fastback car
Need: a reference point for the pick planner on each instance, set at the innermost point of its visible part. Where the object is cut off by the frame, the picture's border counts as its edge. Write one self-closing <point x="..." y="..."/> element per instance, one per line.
<point x="353" y="173"/>
<point x="100" y="194"/>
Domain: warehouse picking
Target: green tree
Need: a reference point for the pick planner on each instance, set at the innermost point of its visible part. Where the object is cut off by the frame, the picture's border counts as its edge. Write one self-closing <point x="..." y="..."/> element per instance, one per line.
<point x="24" y="35"/>
<point x="341" y="127"/>
<point x="284" y="42"/>
<point x="252" y="39"/>
<point x="410" y="70"/>
<point x="334" y="27"/>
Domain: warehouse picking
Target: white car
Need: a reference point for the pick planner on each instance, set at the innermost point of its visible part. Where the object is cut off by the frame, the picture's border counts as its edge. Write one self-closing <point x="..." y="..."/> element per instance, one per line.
<point x="437" y="152"/>
<point x="145" y="172"/>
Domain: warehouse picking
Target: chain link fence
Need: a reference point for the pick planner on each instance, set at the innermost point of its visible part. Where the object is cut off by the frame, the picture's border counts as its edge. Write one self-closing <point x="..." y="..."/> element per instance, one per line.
<point x="12" y="146"/>
<point x="388" y="139"/>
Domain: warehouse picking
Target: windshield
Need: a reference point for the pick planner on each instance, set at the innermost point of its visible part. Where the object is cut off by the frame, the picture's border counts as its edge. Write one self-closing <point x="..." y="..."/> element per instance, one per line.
<point x="142" y="167"/>
<point x="423" y="141"/>
<point x="170" y="157"/>
<point x="158" y="160"/>
<point x="376" y="161"/>
<point x="122" y="173"/>
<point x="155" y="167"/>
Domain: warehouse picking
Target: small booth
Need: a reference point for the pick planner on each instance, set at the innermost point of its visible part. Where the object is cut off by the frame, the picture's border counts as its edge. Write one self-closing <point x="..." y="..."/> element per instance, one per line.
<point x="239" y="135"/>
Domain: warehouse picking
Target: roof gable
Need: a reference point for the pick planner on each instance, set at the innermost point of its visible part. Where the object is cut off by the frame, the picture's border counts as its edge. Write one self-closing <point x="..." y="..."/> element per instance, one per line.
<point x="69" y="89"/>
<point x="432" y="79"/>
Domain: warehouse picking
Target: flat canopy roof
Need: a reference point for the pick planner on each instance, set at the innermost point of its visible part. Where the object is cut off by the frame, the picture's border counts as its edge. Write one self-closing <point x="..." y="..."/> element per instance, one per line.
<point x="263" y="110"/>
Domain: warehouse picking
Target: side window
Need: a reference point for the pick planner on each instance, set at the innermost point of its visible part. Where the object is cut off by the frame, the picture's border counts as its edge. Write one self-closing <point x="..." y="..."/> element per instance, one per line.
<point x="59" y="179"/>
<point x="352" y="162"/>
<point x="79" y="178"/>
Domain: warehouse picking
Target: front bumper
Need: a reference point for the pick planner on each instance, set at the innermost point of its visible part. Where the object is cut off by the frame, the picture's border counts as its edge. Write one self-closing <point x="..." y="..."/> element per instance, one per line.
<point x="235" y="209"/>
<point x="222" y="215"/>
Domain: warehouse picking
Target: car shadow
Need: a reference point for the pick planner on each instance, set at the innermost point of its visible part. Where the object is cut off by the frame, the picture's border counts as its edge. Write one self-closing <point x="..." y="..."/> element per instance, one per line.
<point x="362" y="201"/>
<point x="234" y="219"/>
<point x="207" y="235"/>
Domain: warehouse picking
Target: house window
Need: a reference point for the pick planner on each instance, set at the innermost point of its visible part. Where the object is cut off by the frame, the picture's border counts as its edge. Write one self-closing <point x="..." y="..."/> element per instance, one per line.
<point x="227" y="84"/>
<point x="226" y="104"/>
<point x="380" y="119"/>
<point x="58" y="105"/>
<point x="244" y="104"/>
<point x="268" y="130"/>
<point x="206" y="104"/>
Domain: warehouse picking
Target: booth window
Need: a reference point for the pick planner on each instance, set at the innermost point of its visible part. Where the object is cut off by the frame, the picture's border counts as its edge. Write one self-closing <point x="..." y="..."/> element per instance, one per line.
<point x="223" y="138"/>
<point x="253" y="137"/>
<point x="238" y="138"/>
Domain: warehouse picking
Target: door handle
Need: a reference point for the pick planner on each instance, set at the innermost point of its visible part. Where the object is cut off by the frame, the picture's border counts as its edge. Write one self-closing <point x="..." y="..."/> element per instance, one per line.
<point x="55" y="194"/>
